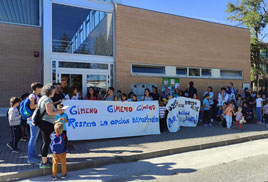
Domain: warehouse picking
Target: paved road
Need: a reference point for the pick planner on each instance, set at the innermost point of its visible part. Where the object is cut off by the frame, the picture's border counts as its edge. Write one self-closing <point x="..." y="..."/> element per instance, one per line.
<point x="239" y="163"/>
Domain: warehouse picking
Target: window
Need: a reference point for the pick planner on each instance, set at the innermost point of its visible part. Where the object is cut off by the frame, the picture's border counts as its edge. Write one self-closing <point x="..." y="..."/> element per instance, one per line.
<point x="83" y="65"/>
<point x="206" y="72"/>
<point x="194" y="72"/>
<point x="231" y="74"/>
<point x="181" y="71"/>
<point x="144" y="69"/>
<point x="20" y="12"/>
<point x="83" y="28"/>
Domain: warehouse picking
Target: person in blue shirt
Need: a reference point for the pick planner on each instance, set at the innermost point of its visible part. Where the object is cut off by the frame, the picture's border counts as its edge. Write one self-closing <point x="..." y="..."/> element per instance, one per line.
<point x="63" y="118"/>
<point x="206" y="112"/>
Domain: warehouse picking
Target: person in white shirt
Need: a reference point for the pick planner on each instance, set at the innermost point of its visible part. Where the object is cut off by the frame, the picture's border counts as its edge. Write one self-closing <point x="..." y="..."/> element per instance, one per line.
<point x="14" y="119"/>
<point x="259" y="109"/>
<point x="222" y="97"/>
<point x="73" y="94"/>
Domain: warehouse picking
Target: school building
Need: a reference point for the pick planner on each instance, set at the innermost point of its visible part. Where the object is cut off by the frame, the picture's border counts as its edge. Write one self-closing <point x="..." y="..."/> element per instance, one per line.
<point x="104" y="43"/>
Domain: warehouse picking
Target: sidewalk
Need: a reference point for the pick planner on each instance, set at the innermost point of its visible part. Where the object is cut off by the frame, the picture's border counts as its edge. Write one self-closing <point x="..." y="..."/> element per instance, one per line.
<point x="95" y="153"/>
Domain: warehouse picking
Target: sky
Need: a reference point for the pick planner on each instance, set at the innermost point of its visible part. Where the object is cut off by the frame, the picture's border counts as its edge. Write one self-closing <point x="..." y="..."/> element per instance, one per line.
<point x="209" y="10"/>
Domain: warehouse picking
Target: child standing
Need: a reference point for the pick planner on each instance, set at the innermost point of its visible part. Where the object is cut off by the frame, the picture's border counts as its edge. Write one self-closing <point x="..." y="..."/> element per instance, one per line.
<point x="162" y="111"/>
<point x="63" y="118"/>
<point x="58" y="149"/>
<point x="259" y="109"/>
<point x="14" y="119"/>
<point x="229" y="114"/>
<point x="206" y="113"/>
<point x="239" y="118"/>
<point x="265" y="112"/>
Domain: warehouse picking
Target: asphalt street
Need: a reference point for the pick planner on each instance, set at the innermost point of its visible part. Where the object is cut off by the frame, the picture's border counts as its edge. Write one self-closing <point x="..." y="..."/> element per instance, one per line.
<point x="245" y="162"/>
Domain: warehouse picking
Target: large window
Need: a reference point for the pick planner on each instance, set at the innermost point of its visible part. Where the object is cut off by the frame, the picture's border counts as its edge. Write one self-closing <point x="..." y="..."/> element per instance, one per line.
<point x="231" y="74"/>
<point x="24" y="12"/>
<point x="81" y="31"/>
<point x="148" y="69"/>
<point x="181" y="71"/>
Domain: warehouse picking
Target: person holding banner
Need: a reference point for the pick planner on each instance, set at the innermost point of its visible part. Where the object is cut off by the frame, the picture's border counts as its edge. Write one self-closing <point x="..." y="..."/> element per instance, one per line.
<point x="110" y="96"/>
<point x="47" y="122"/>
<point x="206" y="112"/>
<point x="147" y="95"/>
<point x="91" y="95"/>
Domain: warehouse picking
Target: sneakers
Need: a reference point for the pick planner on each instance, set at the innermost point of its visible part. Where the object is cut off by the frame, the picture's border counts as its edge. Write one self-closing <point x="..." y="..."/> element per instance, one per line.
<point x="64" y="176"/>
<point x="23" y="139"/>
<point x="15" y="151"/>
<point x="54" y="178"/>
<point x="33" y="161"/>
<point x="259" y="122"/>
<point x="209" y="124"/>
<point x="44" y="166"/>
<point x="205" y="125"/>
<point x="10" y="147"/>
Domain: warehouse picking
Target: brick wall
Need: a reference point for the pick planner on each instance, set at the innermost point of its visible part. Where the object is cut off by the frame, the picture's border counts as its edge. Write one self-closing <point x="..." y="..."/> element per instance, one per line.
<point x="144" y="36"/>
<point x="18" y="66"/>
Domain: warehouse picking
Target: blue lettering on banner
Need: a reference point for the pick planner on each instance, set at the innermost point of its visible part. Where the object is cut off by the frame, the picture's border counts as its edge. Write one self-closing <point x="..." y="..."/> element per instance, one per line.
<point x="171" y="121"/>
<point x="72" y="111"/>
<point x="191" y="119"/>
<point x="75" y="124"/>
<point x="184" y="113"/>
<point x="119" y="122"/>
<point x="145" y="119"/>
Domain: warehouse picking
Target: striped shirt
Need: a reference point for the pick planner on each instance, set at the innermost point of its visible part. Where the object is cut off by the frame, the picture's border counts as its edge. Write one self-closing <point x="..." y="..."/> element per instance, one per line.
<point x="162" y="110"/>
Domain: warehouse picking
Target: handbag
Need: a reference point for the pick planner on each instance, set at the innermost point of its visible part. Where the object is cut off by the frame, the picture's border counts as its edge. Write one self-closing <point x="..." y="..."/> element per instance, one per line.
<point x="36" y="117"/>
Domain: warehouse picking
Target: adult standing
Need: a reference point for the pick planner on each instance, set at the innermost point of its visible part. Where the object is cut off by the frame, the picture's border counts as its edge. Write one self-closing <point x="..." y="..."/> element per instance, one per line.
<point x="155" y="94"/>
<point x="34" y="130"/>
<point x="58" y="96"/>
<point x="222" y="97"/>
<point x="165" y="94"/>
<point x="189" y="92"/>
<point x="147" y="95"/>
<point x="110" y="96"/>
<point x="47" y="121"/>
<point x="231" y="91"/>
<point x="91" y="95"/>
<point x="263" y="91"/>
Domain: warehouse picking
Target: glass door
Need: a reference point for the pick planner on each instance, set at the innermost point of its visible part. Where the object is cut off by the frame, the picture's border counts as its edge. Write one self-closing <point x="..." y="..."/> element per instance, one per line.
<point x="68" y="80"/>
<point x="98" y="81"/>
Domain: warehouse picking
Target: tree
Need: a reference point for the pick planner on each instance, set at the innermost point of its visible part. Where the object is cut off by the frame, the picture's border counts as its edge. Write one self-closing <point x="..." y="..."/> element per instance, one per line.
<point x="253" y="15"/>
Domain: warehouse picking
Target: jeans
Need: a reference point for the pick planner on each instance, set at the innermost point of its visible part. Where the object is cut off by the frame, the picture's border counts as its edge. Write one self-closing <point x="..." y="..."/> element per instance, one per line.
<point x="259" y="113"/>
<point x="15" y="136"/>
<point x="229" y="121"/>
<point x="34" y="132"/>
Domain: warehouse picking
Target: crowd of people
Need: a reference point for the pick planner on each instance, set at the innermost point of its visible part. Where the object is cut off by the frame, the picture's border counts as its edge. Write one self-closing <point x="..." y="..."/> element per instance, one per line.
<point x="229" y="107"/>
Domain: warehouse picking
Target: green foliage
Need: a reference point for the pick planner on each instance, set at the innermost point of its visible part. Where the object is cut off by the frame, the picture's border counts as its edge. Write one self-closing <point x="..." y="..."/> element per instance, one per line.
<point x="253" y="15"/>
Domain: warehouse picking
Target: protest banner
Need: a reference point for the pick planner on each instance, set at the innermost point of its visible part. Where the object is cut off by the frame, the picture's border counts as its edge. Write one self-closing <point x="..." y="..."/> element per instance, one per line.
<point x="107" y="119"/>
<point x="182" y="111"/>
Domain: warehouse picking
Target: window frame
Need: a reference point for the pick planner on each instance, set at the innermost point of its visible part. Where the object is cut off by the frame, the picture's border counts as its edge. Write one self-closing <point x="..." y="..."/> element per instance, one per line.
<point x="148" y="66"/>
<point x="28" y="25"/>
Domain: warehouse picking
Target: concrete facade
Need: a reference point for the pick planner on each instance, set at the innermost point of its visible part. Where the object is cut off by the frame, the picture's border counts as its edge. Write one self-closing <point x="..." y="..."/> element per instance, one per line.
<point x="144" y="36"/>
<point x="19" y="68"/>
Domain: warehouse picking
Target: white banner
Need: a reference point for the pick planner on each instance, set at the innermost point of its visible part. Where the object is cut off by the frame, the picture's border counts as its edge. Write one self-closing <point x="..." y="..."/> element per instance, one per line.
<point x="106" y="119"/>
<point x="182" y="111"/>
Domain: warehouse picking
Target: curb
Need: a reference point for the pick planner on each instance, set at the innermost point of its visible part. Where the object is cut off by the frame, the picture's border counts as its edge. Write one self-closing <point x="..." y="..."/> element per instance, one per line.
<point x="130" y="158"/>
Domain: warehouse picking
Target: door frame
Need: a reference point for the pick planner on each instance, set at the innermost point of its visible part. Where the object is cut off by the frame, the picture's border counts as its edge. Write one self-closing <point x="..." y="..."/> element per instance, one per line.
<point x="84" y="73"/>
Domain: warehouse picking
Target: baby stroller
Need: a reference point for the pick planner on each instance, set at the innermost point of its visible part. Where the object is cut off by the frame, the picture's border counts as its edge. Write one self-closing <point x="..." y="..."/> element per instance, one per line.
<point x="248" y="114"/>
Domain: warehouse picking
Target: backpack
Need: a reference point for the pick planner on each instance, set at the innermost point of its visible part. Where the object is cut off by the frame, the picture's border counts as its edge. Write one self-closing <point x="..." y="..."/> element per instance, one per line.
<point x="25" y="110"/>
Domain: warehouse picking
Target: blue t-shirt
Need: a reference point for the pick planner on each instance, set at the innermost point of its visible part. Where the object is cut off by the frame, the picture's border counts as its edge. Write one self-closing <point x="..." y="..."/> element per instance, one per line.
<point x="65" y="116"/>
<point x="206" y="103"/>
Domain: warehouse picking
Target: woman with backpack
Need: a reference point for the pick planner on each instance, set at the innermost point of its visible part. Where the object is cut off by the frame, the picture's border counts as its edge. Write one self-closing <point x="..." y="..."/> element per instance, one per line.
<point x="34" y="130"/>
<point x="46" y="125"/>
